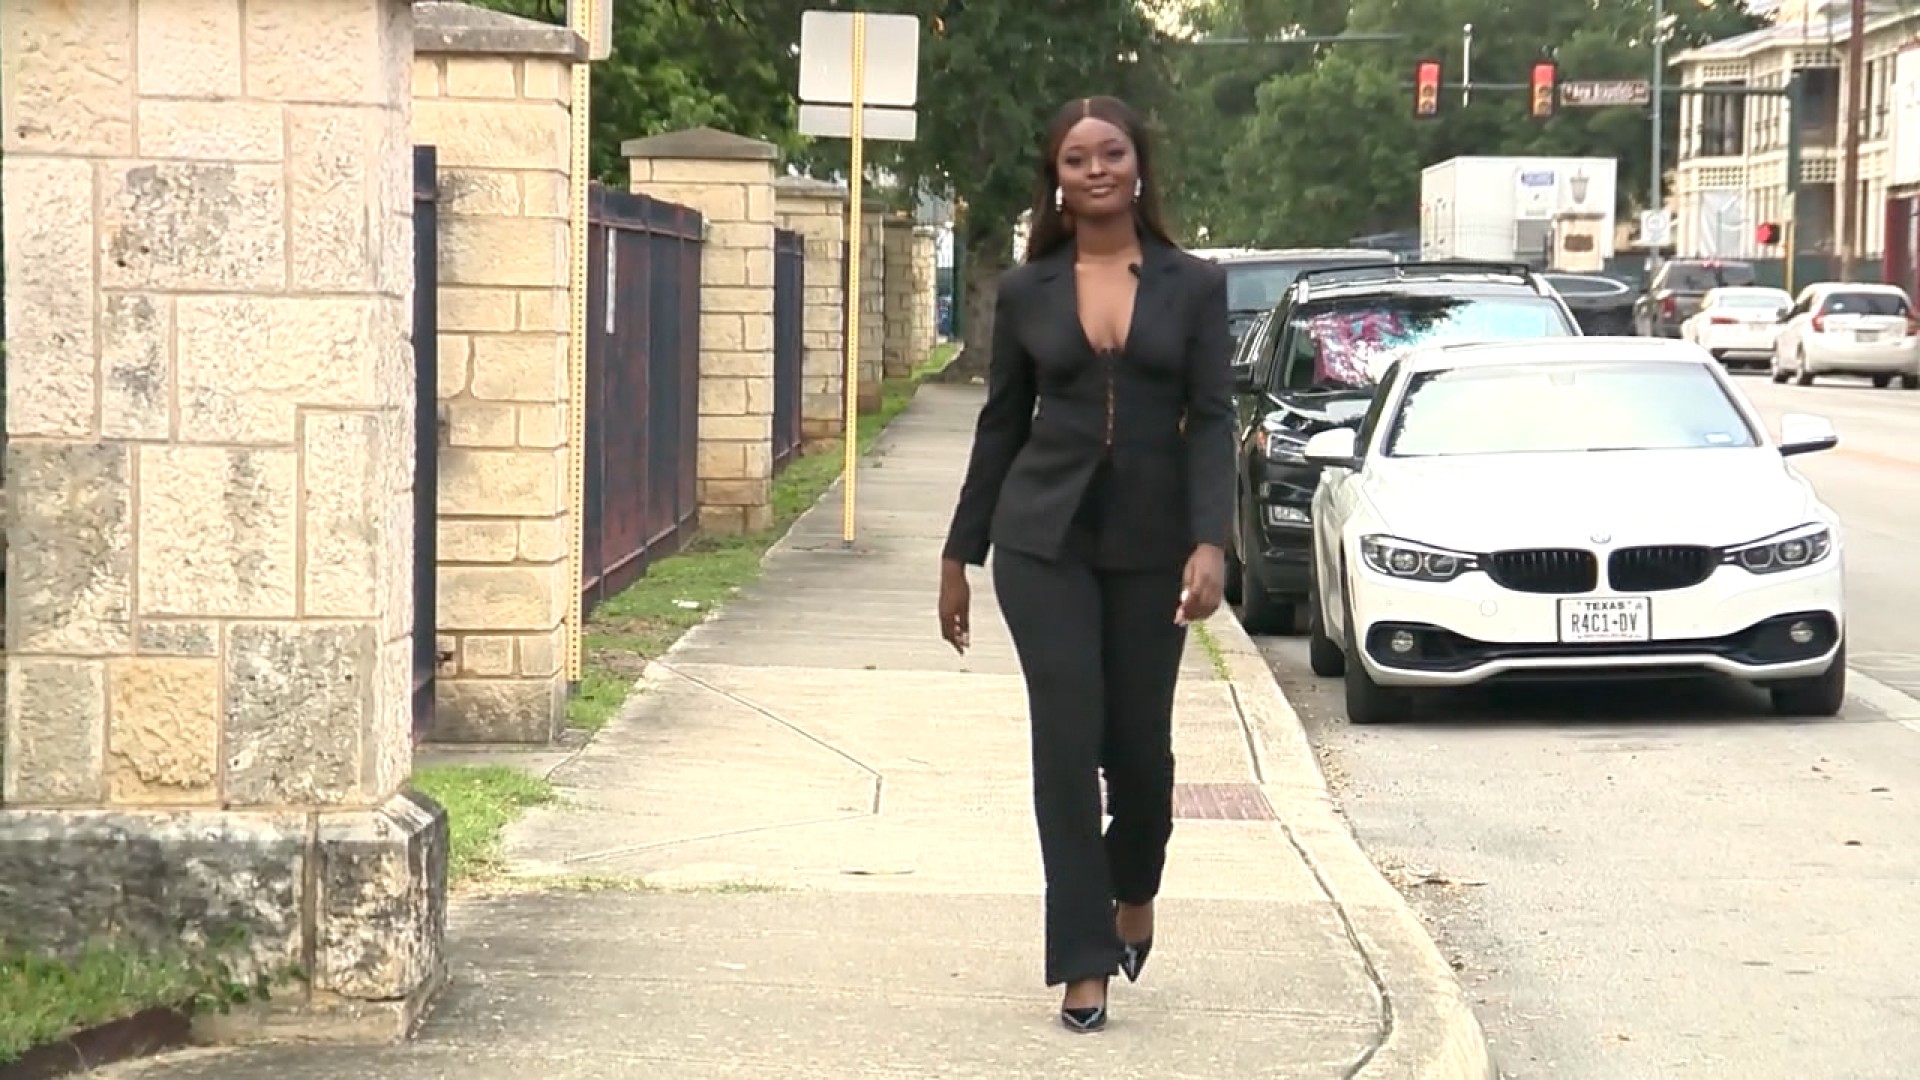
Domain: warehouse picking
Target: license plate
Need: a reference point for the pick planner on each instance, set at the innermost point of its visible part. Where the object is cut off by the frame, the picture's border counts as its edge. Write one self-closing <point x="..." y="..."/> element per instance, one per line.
<point x="1618" y="618"/>
<point x="1866" y="335"/>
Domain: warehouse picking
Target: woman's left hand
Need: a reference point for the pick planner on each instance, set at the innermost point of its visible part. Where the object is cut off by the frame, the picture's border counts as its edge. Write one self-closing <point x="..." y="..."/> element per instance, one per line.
<point x="1203" y="584"/>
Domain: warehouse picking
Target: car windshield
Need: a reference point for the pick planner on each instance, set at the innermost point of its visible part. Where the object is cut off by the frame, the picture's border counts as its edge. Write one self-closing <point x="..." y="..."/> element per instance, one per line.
<point x="1699" y="277"/>
<point x="1864" y="303"/>
<point x="1756" y="300"/>
<point x="1566" y="406"/>
<point x="1349" y="342"/>
<point x="1257" y="286"/>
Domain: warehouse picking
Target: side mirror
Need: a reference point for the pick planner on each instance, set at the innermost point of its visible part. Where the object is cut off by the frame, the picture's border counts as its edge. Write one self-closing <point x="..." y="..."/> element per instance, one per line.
<point x="1800" y="433"/>
<point x="1243" y="378"/>
<point x="1338" y="446"/>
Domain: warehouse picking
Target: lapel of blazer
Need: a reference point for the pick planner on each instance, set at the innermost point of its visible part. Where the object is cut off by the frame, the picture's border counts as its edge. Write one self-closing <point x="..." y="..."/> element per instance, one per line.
<point x="1059" y="297"/>
<point x="1159" y="290"/>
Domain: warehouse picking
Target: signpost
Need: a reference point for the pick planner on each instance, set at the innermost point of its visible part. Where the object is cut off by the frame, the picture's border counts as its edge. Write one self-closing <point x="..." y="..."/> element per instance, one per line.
<point x="1592" y="94"/>
<point x="1656" y="228"/>
<point x="859" y="80"/>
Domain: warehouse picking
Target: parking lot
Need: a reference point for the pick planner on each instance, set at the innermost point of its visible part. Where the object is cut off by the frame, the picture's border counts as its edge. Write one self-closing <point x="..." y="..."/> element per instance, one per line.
<point x="1661" y="881"/>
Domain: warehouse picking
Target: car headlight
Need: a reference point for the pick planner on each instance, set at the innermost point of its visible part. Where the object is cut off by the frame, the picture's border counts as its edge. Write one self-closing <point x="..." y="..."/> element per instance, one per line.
<point x="1790" y="550"/>
<point x="1414" y="562"/>
<point x="1282" y="446"/>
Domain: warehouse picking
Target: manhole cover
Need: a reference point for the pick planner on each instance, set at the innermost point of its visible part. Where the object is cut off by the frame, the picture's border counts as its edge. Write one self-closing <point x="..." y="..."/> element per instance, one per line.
<point x="1221" y="802"/>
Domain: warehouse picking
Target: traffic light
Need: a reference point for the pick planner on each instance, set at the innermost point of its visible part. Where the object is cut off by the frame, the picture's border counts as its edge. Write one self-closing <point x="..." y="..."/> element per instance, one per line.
<point x="1545" y="89"/>
<point x="1768" y="234"/>
<point x="1426" y="90"/>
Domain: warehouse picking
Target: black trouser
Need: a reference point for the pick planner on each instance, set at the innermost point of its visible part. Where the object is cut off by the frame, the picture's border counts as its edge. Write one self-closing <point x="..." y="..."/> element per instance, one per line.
<point x="1101" y="654"/>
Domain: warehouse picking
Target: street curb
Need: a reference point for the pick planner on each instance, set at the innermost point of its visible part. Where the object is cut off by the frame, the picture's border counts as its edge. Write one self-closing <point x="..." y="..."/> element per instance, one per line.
<point x="1430" y="1030"/>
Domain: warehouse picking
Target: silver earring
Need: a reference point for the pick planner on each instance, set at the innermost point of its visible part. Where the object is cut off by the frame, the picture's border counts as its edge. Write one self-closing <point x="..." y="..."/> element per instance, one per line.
<point x="1059" y="199"/>
<point x="1139" y="186"/>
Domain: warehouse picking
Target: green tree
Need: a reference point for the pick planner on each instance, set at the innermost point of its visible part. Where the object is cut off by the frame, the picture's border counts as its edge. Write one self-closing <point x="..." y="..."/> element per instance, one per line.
<point x="1329" y="154"/>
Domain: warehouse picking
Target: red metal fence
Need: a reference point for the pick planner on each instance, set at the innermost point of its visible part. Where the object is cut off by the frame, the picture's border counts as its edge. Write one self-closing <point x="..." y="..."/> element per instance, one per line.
<point x="643" y="374"/>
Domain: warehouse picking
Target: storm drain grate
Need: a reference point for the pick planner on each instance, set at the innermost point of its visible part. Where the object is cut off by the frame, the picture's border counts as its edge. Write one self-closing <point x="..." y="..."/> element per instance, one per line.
<point x="1221" y="802"/>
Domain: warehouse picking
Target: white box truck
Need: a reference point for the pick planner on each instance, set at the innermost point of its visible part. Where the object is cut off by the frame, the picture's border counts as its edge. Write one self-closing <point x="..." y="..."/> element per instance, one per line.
<point x="1553" y="212"/>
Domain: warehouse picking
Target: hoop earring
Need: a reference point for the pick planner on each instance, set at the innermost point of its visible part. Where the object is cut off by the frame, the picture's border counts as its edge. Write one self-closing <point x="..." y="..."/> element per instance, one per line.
<point x="1059" y="198"/>
<point x="1139" y="186"/>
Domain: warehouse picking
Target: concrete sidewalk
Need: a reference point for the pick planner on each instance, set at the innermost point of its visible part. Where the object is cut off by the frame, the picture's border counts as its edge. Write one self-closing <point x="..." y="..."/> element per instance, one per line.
<point x="831" y="816"/>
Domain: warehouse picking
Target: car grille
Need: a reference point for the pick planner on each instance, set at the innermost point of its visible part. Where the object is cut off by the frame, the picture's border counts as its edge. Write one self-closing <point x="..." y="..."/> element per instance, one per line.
<point x="1659" y="568"/>
<point x="1545" y="570"/>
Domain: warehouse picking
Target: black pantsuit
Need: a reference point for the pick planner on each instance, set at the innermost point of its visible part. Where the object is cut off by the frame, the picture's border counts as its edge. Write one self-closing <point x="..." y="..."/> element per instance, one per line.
<point x="1093" y="476"/>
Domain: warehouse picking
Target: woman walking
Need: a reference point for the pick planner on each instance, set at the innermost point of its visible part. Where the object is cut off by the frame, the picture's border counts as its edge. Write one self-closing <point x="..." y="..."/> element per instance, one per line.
<point x="1102" y="478"/>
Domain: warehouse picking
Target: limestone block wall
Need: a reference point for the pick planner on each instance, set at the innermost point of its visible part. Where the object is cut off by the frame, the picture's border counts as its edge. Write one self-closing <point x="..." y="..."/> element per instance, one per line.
<point x="925" y="324"/>
<point x="898" y="358"/>
<point x="210" y="468"/>
<point x="873" y="304"/>
<point x="818" y="212"/>
<point x="492" y="94"/>
<point x="729" y="180"/>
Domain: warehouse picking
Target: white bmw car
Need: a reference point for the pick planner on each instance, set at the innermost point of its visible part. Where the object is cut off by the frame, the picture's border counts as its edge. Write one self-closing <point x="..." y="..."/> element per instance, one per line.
<point x="1575" y="509"/>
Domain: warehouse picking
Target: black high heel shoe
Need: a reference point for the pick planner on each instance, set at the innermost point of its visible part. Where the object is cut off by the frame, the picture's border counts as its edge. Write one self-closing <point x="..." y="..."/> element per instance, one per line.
<point x="1133" y="957"/>
<point x="1084" y="1020"/>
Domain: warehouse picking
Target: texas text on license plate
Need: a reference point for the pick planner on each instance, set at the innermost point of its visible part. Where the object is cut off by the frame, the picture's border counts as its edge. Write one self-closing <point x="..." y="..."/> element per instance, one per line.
<point x="1614" y="618"/>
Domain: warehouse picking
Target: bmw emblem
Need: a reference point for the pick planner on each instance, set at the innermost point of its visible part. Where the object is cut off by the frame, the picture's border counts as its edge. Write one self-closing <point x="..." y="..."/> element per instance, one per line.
<point x="1602" y="537"/>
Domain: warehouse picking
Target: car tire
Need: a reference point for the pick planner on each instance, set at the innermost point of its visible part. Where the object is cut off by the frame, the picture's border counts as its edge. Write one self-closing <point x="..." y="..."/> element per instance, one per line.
<point x="1324" y="655"/>
<point x="1801" y="375"/>
<point x="1367" y="701"/>
<point x="1881" y="382"/>
<point x="1775" y="371"/>
<point x="1910" y="382"/>
<point x="1822" y="695"/>
<point x="1232" y="588"/>
<point x="1260" y="613"/>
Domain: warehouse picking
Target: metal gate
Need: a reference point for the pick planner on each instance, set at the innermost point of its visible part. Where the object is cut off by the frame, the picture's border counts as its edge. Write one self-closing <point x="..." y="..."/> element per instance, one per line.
<point x="789" y="341"/>
<point x="426" y="432"/>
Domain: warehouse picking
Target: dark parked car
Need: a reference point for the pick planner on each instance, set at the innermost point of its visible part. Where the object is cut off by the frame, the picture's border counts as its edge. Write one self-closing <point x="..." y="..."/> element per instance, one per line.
<point x="1602" y="305"/>
<point x="1256" y="279"/>
<point x="1311" y="363"/>
<point x="1673" y="296"/>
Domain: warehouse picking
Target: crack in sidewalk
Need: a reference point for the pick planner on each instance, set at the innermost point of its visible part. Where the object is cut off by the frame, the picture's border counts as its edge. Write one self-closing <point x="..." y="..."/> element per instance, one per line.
<point x="873" y="809"/>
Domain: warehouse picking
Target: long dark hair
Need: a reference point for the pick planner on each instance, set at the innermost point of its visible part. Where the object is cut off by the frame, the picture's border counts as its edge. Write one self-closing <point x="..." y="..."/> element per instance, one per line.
<point x="1048" y="229"/>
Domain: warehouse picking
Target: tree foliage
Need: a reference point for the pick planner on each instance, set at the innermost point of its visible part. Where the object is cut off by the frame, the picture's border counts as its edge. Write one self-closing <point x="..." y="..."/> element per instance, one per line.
<point x="1326" y="146"/>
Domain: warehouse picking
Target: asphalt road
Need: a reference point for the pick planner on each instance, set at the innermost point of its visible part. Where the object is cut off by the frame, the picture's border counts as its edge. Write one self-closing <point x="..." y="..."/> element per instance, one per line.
<point x="1668" y="882"/>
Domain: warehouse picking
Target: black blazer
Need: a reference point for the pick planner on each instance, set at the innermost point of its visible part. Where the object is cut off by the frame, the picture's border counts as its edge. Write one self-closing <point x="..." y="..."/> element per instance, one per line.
<point x="1044" y="429"/>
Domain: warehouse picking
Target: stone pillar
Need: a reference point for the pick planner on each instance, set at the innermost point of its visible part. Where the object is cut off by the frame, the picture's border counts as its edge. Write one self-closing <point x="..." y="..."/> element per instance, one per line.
<point x="926" y="287"/>
<point x="818" y="212"/>
<point x="208" y="269"/>
<point x="873" y="302"/>
<point x="729" y="179"/>
<point x="492" y="94"/>
<point x="898" y="359"/>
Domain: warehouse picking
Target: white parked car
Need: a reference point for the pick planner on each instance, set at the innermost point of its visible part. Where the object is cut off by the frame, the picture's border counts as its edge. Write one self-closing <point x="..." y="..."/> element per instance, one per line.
<point x="1849" y="329"/>
<point x="1580" y="508"/>
<point x="1738" y="323"/>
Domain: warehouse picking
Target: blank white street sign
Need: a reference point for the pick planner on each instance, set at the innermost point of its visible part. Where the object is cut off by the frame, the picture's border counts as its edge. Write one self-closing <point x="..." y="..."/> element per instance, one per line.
<point x="1656" y="228"/>
<point x="836" y="122"/>
<point x="892" y="75"/>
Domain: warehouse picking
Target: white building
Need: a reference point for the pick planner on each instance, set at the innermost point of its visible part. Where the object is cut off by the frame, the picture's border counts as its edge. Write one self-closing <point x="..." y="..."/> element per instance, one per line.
<point x="1732" y="154"/>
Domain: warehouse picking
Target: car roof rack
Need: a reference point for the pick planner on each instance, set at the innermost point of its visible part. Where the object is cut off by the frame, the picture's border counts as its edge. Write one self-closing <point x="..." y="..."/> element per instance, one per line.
<point x="1359" y="273"/>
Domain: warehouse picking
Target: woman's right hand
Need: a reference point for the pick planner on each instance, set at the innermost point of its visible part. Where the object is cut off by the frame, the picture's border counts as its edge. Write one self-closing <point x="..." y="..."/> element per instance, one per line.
<point x="955" y="600"/>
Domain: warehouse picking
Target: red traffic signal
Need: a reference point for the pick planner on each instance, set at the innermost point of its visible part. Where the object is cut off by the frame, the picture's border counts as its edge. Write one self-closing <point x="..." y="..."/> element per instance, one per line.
<point x="1545" y="89"/>
<point x="1769" y="233"/>
<point x="1426" y="89"/>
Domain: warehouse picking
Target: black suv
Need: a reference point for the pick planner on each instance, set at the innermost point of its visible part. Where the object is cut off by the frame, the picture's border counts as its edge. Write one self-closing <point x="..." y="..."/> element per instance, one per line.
<point x="1311" y="363"/>
<point x="1256" y="278"/>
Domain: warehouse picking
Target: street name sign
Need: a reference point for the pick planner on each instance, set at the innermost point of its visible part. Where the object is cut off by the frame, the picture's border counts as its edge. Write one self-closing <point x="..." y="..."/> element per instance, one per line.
<point x="1611" y="92"/>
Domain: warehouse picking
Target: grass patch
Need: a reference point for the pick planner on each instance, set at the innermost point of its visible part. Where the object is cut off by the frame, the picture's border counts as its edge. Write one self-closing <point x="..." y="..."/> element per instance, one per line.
<point x="681" y="590"/>
<point x="481" y="801"/>
<point x="1215" y="654"/>
<point x="43" y="1000"/>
